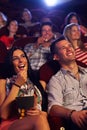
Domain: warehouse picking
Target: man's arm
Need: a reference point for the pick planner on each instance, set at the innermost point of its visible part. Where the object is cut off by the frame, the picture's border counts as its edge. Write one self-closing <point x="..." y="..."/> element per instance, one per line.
<point x="60" y="111"/>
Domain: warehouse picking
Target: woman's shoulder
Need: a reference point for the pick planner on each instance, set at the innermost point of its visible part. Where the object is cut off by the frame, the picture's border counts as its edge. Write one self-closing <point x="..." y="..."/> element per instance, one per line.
<point x="4" y="37"/>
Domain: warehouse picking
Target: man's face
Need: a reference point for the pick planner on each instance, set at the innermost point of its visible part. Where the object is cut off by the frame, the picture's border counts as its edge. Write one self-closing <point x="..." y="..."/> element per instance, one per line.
<point x="66" y="52"/>
<point x="47" y="33"/>
<point x="26" y="16"/>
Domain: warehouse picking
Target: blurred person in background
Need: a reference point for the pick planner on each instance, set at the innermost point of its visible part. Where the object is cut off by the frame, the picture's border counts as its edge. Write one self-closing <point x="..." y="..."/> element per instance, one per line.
<point x="72" y="33"/>
<point x="3" y="20"/>
<point x="10" y="34"/>
<point x="73" y="17"/>
<point x="32" y="27"/>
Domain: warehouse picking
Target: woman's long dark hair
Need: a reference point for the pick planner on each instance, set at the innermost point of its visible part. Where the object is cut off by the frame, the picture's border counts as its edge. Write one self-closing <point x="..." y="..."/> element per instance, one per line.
<point x="69" y="17"/>
<point x="9" y="63"/>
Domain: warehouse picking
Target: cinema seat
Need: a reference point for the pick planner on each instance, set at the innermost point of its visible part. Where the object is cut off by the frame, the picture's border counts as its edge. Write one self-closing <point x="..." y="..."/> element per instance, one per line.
<point x="23" y="41"/>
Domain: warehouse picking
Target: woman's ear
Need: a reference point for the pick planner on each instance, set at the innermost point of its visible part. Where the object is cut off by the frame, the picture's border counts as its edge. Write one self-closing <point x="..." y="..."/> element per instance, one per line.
<point x="55" y="57"/>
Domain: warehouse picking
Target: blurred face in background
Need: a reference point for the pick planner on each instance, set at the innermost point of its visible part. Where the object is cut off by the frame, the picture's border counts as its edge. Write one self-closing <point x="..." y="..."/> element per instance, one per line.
<point x="47" y="32"/>
<point x="75" y="33"/>
<point x="26" y="16"/>
<point x="73" y="20"/>
<point x="13" y="26"/>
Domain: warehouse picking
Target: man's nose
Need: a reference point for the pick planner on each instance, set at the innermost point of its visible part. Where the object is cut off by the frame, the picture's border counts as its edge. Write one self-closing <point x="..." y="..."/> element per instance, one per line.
<point x="47" y="32"/>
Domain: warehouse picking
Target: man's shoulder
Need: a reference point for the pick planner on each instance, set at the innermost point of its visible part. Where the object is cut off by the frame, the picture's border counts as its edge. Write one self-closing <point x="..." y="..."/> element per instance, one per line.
<point x="82" y="69"/>
<point x="57" y="76"/>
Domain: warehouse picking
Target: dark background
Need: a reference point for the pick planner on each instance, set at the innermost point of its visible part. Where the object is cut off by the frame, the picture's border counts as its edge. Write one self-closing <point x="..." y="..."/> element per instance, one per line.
<point x="13" y="9"/>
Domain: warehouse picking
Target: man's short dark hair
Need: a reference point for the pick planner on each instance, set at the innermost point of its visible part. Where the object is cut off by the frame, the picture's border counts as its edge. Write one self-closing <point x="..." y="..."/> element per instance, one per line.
<point x="46" y="23"/>
<point x="53" y="45"/>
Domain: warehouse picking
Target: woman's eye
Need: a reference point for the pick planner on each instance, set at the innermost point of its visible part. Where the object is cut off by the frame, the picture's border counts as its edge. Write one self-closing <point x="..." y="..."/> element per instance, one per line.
<point x="23" y="56"/>
<point x="15" y="58"/>
<point x="62" y="48"/>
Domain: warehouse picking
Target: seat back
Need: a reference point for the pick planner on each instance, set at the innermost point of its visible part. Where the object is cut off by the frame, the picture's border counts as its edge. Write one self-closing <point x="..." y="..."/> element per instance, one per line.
<point x="23" y="41"/>
<point x="3" y="52"/>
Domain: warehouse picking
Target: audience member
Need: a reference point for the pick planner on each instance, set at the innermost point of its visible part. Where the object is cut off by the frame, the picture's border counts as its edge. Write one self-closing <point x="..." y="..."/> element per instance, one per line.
<point x="18" y="85"/>
<point x="55" y="28"/>
<point x="73" y="34"/>
<point x="8" y="38"/>
<point x="67" y="96"/>
<point x="38" y="52"/>
<point x="3" y="20"/>
<point x="73" y="17"/>
<point x="32" y="27"/>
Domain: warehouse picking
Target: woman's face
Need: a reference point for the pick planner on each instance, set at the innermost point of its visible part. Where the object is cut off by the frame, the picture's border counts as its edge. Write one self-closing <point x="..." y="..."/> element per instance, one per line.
<point x="74" y="20"/>
<point x="13" y="26"/>
<point x="19" y="61"/>
<point x="75" y="33"/>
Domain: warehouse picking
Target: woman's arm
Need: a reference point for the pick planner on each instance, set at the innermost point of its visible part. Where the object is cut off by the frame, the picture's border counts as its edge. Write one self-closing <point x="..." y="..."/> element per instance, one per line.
<point x="5" y="107"/>
<point x="43" y="83"/>
<point x="2" y="90"/>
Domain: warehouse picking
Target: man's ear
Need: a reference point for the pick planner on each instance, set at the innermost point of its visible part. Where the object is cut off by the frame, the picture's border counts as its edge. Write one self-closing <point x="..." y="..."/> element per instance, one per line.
<point x="55" y="57"/>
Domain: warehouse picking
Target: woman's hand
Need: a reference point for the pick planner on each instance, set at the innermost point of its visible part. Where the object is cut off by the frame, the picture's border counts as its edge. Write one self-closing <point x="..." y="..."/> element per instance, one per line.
<point x="32" y="112"/>
<point x="21" y="78"/>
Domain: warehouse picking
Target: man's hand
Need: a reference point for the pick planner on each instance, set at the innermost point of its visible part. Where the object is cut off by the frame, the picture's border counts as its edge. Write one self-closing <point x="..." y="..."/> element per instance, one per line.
<point x="80" y="118"/>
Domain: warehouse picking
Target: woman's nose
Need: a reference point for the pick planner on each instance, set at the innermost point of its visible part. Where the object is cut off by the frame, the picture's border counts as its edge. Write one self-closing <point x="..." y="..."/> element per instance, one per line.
<point x="20" y="59"/>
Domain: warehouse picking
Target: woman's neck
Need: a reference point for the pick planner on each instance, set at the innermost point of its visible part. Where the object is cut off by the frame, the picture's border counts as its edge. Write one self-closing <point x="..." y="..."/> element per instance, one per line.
<point x="11" y="34"/>
<point x="75" y="44"/>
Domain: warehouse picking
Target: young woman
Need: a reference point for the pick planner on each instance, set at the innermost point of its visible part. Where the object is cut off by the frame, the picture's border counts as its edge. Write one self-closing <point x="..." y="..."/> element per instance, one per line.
<point x="20" y="85"/>
<point x="73" y="34"/>
<point x="9" y="38"/>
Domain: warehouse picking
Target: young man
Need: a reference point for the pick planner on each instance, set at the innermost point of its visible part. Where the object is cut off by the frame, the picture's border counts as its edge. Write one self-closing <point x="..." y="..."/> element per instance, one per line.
<point x="37" y="52"/>
<point x="67" y="89"/>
